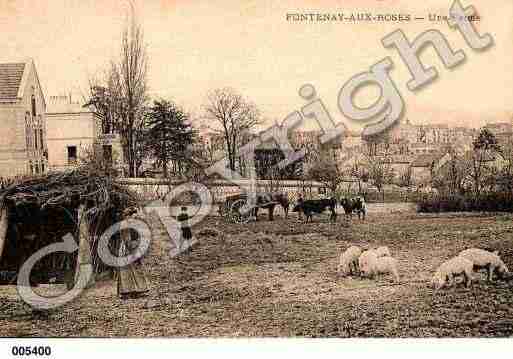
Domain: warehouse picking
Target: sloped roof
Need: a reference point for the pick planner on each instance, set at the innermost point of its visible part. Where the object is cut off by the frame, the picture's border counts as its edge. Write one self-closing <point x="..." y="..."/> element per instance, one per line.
<point x="10" y="80"/>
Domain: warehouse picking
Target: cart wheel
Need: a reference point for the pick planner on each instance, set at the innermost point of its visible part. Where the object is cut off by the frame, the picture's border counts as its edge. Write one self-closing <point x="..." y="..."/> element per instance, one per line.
<point x="237" y="212"/>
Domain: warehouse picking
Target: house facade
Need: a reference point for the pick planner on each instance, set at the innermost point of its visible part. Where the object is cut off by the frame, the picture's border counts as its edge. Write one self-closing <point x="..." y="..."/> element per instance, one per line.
<point x="75" y="133"/>
<point x="23" y="145"/>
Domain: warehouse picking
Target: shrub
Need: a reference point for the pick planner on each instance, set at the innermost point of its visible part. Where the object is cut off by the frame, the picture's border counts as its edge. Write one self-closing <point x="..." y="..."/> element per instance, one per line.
<point x="486" y="202"/>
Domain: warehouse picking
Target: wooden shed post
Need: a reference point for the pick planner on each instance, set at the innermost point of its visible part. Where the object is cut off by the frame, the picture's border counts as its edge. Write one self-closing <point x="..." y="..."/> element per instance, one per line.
<point x="4" y="223"/>
<point x="84" y="259"/>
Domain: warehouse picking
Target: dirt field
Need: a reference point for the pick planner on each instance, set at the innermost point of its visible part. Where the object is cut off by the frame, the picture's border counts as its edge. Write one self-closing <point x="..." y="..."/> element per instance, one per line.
<point x="245" y="283"/>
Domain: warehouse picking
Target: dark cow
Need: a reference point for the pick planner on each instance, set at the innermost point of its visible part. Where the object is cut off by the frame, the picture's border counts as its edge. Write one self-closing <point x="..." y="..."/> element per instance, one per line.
<point x="356" y="204"/>
<point x="309" y="207"/>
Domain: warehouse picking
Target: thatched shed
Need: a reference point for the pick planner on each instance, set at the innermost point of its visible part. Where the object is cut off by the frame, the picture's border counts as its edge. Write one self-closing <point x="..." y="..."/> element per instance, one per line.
<point x="40" y="211"/>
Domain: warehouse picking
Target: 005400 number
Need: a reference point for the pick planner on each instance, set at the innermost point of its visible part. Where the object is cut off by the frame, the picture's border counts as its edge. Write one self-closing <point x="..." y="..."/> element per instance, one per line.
<point x="31" y="351"/>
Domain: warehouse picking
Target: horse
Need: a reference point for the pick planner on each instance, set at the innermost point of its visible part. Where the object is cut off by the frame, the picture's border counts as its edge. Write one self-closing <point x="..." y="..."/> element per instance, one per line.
<point x="266" y="200"/>
<point x="269" y="200"/>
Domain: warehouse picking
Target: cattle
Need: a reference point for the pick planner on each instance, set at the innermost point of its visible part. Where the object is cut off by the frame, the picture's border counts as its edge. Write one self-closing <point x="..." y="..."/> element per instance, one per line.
<point x="311" y="206"/>
<point x="356" y="204"/>
<point x="347" y="204"/>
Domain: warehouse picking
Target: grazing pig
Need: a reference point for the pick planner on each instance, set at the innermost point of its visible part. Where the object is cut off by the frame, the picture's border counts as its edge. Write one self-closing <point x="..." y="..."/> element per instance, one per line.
<point x="382" y="251"/>
<point x="490" y="261"/>
<point x="385" y="265"/>
<point x="366" y="262"/>
<point x="371" y="264"/>
<point x="348" y="263"/>
<point x="446" y="272"/>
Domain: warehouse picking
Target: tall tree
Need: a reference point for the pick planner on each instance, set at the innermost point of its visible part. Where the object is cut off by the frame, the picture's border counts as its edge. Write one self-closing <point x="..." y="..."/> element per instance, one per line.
<point x="170" y="134"/>
<point x="266" y="165"/>
<point x="120" y="98"/>
<point x="485" y="148"/>
<point x="327" y="170"/>
<point x="235" y="116"/>
<point x="100" y="101"/>
<point x="129" y="77"/>
<point x="380" y="171"/>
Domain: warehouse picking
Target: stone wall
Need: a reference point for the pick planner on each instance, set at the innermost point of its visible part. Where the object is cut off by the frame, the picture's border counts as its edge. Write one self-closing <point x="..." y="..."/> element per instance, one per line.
<point x="150" y="188"/>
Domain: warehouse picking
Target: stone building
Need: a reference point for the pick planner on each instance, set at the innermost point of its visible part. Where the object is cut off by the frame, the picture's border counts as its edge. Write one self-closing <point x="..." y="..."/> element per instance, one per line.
<point x="23" y="147"/>
<point x="75" y="133"/>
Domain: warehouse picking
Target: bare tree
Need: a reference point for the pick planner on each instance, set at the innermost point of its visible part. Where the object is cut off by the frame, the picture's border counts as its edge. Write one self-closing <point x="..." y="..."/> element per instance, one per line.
<point x="406" y="178"/>
<point x="327" y="170"/>
<point x="505" y="178"/>
<point x="485" y="148"/>
<point x="235" y="116"/>
<point x="451" y="177"/>
<point x="129" y="77"/>
<point x="380" y="171"/>
<point x="360" y="173"/>
<point x="120" y="98"/>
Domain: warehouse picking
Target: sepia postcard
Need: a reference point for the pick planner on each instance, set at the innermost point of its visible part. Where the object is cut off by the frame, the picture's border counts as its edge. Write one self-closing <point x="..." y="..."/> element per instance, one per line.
<point x="264" y="169"/>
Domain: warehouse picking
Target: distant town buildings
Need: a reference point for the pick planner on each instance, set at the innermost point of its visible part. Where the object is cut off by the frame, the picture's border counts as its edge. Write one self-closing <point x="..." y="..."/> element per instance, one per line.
<point x="23" y="146"/>
<point x="406" y="147"/>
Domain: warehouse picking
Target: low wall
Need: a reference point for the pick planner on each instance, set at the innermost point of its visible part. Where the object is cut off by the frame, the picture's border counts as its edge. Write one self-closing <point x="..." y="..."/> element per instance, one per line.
<point x="150" y="188"/>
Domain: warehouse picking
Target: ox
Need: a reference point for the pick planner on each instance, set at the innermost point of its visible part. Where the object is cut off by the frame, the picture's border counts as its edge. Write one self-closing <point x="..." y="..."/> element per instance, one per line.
<point x="309" y="207"/>
<point x="354" y="205"/>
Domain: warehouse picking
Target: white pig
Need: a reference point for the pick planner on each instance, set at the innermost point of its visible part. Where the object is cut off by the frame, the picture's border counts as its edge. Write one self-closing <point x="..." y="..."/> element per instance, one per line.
<point x="348" y="263"/>
<point x="446" y="272"/>
<point x="366" y="262"/>
<point x="490" y="261"/>
<point x="383" y="251"/>
<point x="383" y="265"/>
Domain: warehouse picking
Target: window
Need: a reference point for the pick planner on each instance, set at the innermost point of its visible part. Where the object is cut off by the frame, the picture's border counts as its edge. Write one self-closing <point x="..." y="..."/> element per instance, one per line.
<point x="27" y="130"/>
<point x="107" y="154"/>
<point x="35" y="139"/>
<point x="41" y="138"/>
<point x="31" y="168"/>
<point x="34" y="106"/>
<point x="42" y="167"/>
<point x="72" y="154"/>
<point x="37" y="168"/>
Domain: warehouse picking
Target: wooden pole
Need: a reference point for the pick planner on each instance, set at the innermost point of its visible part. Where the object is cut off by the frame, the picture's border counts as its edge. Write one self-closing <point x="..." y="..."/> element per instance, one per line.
<point x="4" y="222"/>
<point x="84" y="259"/>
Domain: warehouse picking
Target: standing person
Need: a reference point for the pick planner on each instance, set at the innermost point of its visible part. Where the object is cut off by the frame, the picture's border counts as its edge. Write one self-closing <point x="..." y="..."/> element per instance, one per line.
<point x="183" y="218"/>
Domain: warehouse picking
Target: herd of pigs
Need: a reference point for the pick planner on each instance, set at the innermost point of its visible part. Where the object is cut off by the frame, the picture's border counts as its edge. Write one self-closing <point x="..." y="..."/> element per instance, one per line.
<point x="369" y="263"/>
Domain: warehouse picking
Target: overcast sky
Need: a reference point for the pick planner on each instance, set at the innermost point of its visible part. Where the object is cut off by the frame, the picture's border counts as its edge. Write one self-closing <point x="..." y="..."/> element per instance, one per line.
<point x="195" y="46"/>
